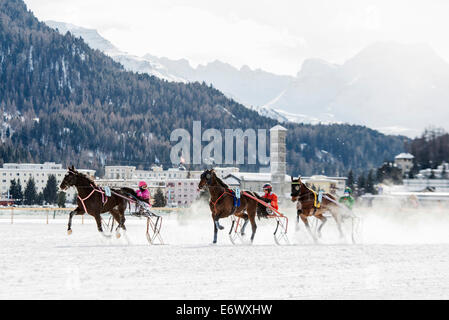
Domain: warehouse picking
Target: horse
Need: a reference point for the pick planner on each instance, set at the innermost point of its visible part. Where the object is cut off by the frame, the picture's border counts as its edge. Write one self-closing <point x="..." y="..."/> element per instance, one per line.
<point x="92" y="200"/>
<point x="221" y="204"/>
<point x="308" y="203"/>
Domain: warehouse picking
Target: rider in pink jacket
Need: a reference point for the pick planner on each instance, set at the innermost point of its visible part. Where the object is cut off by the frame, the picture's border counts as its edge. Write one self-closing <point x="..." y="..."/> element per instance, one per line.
<point x="143" y="193"/>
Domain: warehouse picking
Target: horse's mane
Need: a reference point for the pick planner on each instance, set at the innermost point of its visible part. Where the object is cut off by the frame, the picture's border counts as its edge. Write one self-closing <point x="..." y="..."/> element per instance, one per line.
<point x="85" y="176"/>
<point x="220" y="182"/>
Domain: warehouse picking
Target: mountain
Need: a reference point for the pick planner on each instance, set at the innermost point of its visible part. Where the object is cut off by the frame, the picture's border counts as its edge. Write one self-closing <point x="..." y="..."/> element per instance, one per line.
<point x="249" y="87"/>
<point x="387" y="86"/>
<point x="63" y="101"/>
<point x="130" y="62"/>
<point x="378" y="87"/>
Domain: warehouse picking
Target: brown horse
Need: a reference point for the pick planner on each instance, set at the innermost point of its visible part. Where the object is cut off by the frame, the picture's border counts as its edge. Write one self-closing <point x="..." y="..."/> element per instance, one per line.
<point x="222" y="204"/>
<point x="92" y="200"/>
<point x="308" y="203"/>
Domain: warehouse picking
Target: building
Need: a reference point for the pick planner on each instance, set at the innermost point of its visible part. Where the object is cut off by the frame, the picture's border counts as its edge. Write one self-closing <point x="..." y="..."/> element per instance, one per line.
<point x="40" y="174"/>
<point x="332" y="185"/>
<point x="119" y="172"/>
<point x="181" y="192"/>
<point x="278" y="160"/>
<point x="404" y="161"/>
<point x="441" y="172"/>
<point x="179" y="185"/>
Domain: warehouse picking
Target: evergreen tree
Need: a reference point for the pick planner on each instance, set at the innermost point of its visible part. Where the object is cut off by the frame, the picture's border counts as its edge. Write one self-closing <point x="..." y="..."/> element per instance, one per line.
<point x="159" y="199"/>
<point x="18" y="193"/>
<point x="13" y="189"/>
<point x="361" y="182"/>
<point x="61" y="199"/>
<point x="51" y="190"/>
<point x="370" y="183"/>
<point x="40" y="199"/>
<point x="350" y="181"/>
<point x="30" y="194"/>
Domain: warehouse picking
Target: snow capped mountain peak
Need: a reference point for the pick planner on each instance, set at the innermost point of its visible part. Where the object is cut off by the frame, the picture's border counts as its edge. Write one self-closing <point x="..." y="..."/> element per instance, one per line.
<point x="387" y="85"/>
<point x="91" y="36"/>
<point x="315" y="67"/>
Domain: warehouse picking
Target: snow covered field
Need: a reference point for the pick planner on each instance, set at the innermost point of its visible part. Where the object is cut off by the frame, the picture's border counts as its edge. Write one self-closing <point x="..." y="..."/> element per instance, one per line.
<point x="404" y="255"/>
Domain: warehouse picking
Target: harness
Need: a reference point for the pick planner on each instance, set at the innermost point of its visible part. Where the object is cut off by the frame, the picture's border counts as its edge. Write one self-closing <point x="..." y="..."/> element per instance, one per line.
<point x="94" y="189"/>
<point x="317" y="198"/>
<point x="216" y="201"/>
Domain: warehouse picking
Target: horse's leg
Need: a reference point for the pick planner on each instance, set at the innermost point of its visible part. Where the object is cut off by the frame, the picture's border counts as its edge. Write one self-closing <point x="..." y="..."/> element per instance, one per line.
<point x="215" y="232"/>
<point x="323" y="222"/>
<point x="74" y="212"/>
<point x="117" y="217"/>
<point x="217" y="223"/>
<point x="97" y="217"/>
<point x="252" y="219"/>
<point x="336" y="216"/>
<point x="298" y="217"/>
<point x="242" y="231"/>
<point x="306" y="223"/>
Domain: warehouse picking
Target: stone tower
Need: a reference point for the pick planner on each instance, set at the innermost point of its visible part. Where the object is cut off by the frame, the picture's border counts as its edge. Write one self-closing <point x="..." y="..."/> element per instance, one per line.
<point x="278" y="159"/>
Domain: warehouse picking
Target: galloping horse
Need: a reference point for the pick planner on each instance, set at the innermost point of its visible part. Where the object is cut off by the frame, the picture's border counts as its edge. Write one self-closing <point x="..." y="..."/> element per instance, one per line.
<point x="92" y="200"/>
<point x="309" y="206"/>
<point x="222" y="204"/>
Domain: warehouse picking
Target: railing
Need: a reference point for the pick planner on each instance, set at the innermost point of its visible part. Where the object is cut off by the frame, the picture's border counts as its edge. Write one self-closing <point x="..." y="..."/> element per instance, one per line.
<point x="48" y="211"/>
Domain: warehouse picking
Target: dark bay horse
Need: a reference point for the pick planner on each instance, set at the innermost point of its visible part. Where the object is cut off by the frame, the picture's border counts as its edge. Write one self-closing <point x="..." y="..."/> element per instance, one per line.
<point x="307" y="207"/>
<point x="222" y="204"/>
<point x="92" y="200"/>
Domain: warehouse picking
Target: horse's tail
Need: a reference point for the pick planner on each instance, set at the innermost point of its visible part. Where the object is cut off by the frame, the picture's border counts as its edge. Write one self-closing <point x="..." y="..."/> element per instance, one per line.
<point x="261" y="209"/>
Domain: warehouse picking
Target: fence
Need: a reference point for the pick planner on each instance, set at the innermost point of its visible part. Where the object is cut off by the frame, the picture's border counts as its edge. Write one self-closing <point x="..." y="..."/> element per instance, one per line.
<point x="14" y="211"/>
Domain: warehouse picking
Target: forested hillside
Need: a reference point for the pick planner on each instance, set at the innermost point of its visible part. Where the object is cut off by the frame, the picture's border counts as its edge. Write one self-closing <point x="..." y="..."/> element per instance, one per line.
<point x="62" y="101"/>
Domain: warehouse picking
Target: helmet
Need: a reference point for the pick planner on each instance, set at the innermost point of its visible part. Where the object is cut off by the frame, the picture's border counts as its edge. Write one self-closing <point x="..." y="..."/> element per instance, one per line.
<point x="348" y="190"/>
<point x="142" y="184"/>
<point x="267" y="186"/>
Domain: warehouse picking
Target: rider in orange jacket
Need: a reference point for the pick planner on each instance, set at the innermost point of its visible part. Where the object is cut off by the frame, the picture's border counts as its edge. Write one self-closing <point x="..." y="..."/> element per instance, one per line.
<point x="269" y="195"/>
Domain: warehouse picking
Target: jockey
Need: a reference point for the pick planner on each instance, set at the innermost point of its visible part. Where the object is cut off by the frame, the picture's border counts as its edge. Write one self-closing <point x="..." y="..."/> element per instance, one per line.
<point x="143" y="193"/>
<point x="270" y="196"/>
<point x="347" y="199"/>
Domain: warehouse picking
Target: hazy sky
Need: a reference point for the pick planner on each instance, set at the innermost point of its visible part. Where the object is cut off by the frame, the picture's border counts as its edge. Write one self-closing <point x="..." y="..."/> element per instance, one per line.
<point x="275" y="35"/>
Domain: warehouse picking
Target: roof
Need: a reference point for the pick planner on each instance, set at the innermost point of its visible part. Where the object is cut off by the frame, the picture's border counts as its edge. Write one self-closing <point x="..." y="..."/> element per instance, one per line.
<point x="278" y="128"/>
<point x="405" y="156"/>
<point x="253" y="176"/>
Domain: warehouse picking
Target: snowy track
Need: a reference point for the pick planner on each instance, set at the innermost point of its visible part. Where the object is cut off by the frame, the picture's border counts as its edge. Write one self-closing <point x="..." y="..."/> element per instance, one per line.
<point x="40" y="261"/>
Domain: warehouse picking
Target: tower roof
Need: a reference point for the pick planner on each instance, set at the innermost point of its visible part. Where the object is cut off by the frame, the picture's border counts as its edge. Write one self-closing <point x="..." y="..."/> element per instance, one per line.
<point x="278" y="128"/>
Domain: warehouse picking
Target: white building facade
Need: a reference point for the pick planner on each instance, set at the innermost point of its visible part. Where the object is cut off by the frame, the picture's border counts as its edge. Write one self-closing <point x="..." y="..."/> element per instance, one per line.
<point x="39" y="172"/>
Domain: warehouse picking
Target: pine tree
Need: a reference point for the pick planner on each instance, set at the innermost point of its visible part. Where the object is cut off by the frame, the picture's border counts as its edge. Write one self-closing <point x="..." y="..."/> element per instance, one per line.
<point x="361" y="182"/>
<point x="51" y="190"/>
<point x="159" y="199"/>
<point x="40" y="199"/>
<point x="30" y="194"/>
<point x="370" y="183"/>
<point x="13" y="189"/>
<point x="350" y="181"/>
<point x="19" y="193"/>
<point x="61" y="199"/>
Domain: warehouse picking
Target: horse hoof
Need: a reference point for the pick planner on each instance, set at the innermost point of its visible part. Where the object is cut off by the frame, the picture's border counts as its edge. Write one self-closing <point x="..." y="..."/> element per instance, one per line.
<point x="69" y="232"/>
